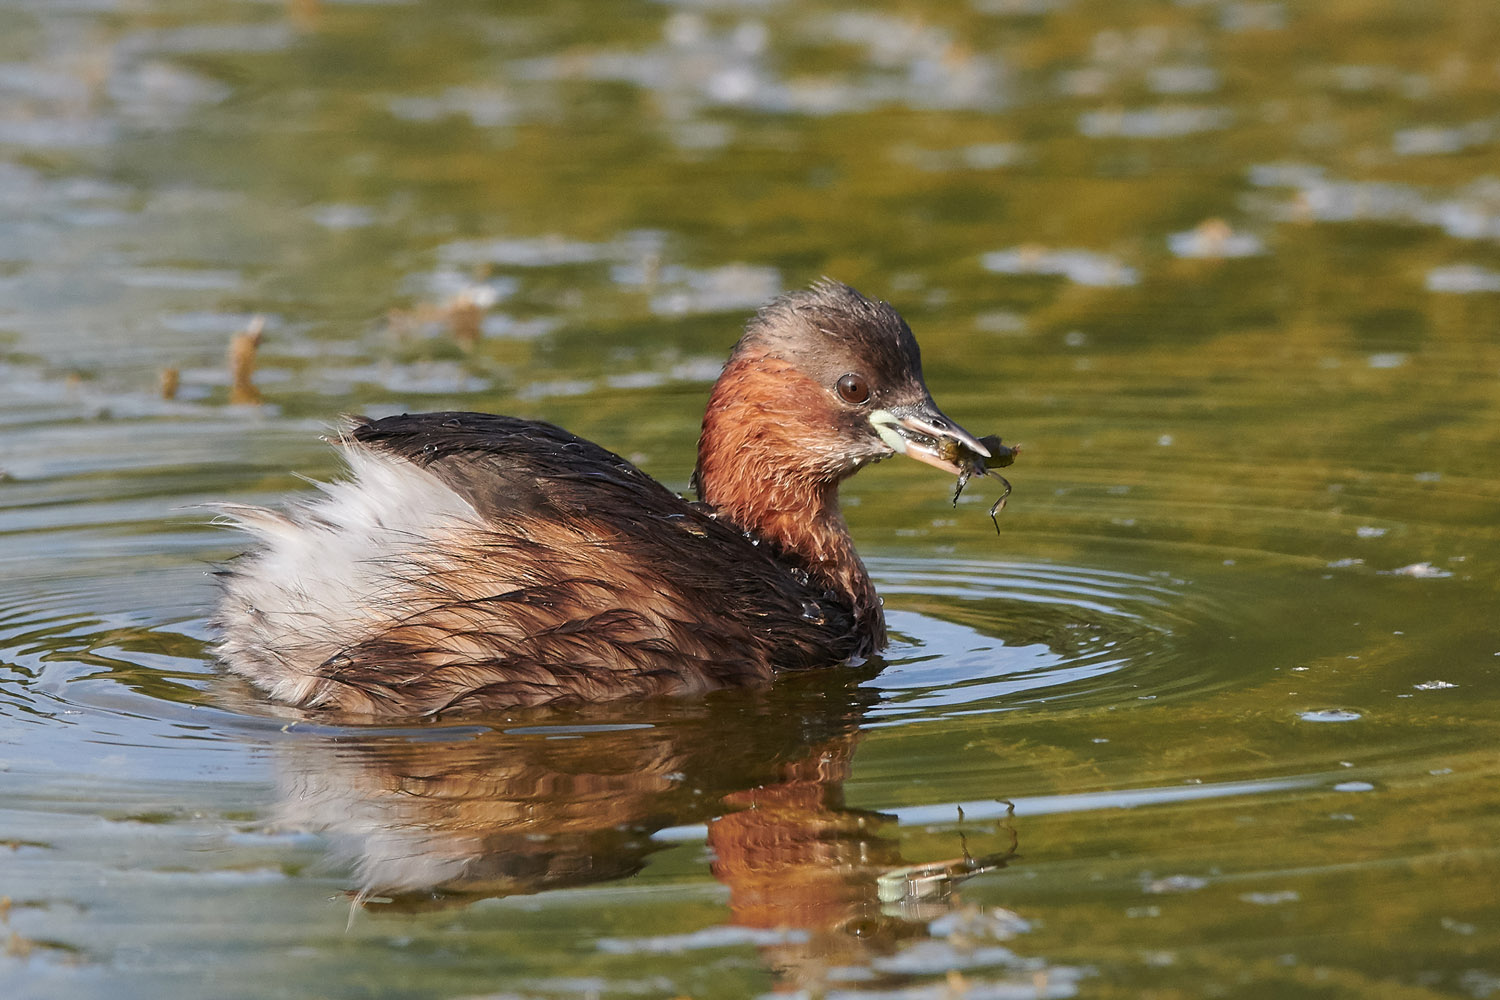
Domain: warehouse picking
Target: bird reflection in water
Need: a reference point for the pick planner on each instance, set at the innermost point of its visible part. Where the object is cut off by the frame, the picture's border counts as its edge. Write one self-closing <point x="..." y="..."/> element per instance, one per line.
<point x="431" y="818"/>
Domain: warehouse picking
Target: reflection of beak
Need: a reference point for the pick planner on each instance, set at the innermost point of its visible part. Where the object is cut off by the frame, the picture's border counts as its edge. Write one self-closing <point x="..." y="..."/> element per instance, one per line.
<point x="922" y="432"/>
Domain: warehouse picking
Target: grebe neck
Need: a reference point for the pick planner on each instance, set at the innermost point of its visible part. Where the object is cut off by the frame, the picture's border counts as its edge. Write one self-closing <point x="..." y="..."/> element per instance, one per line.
<point x="758" y="470"/>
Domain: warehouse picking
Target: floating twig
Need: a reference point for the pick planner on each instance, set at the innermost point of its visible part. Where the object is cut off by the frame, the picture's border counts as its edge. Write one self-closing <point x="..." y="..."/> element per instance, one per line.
<point x="242" y="348"/>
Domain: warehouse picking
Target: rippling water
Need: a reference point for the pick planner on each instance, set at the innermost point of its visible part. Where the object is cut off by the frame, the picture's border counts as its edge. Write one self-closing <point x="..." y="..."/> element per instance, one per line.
<point x="1212" y="714"/>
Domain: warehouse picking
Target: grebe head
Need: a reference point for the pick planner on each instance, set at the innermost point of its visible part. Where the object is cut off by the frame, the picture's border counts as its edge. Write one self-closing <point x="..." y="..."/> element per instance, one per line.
<point x="824" y="382"/>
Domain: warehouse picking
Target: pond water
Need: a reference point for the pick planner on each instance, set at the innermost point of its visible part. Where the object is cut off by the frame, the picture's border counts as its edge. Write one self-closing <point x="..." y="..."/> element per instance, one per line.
<point x="1214" y="714"/>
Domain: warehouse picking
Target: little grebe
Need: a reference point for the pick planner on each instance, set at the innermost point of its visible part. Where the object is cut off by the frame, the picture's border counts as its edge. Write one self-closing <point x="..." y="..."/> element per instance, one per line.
<point x="481" y="562"/>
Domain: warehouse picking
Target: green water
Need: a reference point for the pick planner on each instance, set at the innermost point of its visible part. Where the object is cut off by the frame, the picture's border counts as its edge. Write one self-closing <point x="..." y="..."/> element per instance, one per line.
<point x="1213" y="715"/>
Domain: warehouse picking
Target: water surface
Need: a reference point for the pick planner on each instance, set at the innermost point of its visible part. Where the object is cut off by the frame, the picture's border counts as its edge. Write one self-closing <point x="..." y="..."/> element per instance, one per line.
<point x="1213" y="714"/>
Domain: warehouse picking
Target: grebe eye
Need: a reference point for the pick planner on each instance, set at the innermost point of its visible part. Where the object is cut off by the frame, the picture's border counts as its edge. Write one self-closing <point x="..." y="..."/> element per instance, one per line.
<point x="853" y="389"/>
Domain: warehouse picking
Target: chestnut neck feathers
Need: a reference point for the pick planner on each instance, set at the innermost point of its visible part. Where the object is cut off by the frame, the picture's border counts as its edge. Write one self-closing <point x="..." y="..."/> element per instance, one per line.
<point x="756" y="466"/>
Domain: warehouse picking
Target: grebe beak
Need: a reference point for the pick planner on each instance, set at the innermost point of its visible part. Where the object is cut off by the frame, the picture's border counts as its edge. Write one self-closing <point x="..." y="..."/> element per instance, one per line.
<point x="922" y="432"/>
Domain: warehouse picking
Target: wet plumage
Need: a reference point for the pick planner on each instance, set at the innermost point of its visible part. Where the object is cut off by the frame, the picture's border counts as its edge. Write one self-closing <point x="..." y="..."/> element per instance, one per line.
<point x="477" y="562"/>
